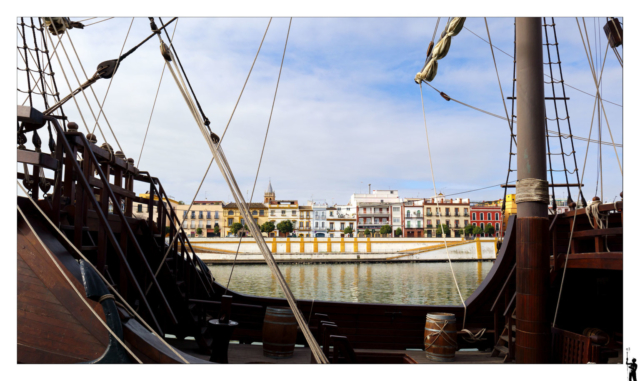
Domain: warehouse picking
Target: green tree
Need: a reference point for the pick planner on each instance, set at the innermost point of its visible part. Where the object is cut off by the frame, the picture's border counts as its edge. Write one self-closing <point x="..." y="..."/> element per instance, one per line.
<point x="385" y="229"/>
<point x="468" y="230"/>
<point x="443" y="229"/>
<point x="477" y="230"/>
<point x="180" y="202"/>
<point x="235" y="227"/>
<point x="285" y="227"/>
<point x="398" y="232"/>
<point x="216" y="229"/>
<point x="167" y="230"/>
<point x="348" y="230"/>
<point x="489" y="229"/>
<point x="367" y="232"/>
<point x="267" y="227"/>
<point x="199" y="231"/>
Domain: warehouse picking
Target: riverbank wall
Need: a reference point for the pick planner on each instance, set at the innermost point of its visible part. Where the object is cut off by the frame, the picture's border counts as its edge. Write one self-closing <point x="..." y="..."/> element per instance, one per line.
<point x="357" y="249"/>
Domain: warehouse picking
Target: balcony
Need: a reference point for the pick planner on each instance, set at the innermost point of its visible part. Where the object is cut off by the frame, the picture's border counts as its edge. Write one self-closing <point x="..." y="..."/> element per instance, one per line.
<point x="414" y="216"/>
<point x="375" y="214"/>
<point x="466" y="215"/>
<point x="447" y="214"/>
<point x="456" y="215"/>
<point x="429" y="214"/>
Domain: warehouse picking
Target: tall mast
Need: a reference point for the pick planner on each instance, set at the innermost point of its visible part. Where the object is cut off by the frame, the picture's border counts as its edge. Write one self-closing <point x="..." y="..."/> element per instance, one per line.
<point x="532" y="237"/>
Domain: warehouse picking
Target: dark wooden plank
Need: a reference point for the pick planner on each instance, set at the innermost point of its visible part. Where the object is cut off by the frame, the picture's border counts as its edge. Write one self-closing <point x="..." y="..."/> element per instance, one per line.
<point x="597" y="233"/>
<point x="604" y="261"/>
<point x="37" y="158"/>
<point x="95" y="182"/>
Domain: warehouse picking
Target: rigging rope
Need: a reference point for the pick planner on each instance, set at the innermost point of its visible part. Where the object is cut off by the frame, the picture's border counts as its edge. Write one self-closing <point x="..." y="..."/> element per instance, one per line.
<point x="440" y="51"/>
<point x="111" y="79"/>
<point x="245" y="84"/>
<point x="164" y="66"/>
<point x="264" y="144"/>
<point x="225" y="170"/>
<point x="506" y="113"/>
<point x="424" y="114"/>
<point x="597" y="83"/>
<point x="98" y="22"/>
<point x="106" y="282"/>
<point x="566" y="84"/>
<point x="55" y="262"/>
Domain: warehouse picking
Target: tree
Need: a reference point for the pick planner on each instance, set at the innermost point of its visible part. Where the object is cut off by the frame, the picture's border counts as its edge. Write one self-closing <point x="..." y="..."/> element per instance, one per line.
<point x="267" y="227"/>
<point x="468" y="230"/>
<point x="348" y="230"/>
<point x="367" y="232"/>
<point x="180" y="202"/>
<point x="167" y="230"/>
<point x="235" y="227"/>
<point x="477" y="230"/>
<point x="398" y="232"/>
<point x="489" y="230"/>
<point x="216" y="229"/>
<point x="385" y="229"/>
<point x="285" y="227"/>
<point x="199" y="231"/>
<point x="443" y="229"/>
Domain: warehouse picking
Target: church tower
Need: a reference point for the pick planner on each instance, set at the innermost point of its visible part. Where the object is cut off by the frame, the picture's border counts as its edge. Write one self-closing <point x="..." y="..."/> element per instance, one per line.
<point x="269" y="194"/>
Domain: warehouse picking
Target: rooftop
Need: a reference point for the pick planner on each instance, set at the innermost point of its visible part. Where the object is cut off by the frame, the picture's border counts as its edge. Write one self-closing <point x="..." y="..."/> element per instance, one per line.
<point x="253" y="205"/>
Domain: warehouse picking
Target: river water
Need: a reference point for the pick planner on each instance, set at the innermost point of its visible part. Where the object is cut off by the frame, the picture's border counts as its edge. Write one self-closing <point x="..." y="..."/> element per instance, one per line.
<point x="395" y="283"/>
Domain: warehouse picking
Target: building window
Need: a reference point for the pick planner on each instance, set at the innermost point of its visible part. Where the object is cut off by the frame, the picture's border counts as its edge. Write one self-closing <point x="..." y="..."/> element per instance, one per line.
<point x="419" y="224"/>
<point x="193" y="224"/>
<point x="230" y="213"/>
<point x="497" y="228"/>
<point x="254" y="213"/>
<point x="139" y="208"/>
<point x="481" y="216"/>
<point x="396" y="208"/>
<point x="474" y="224"/>
<point x="396" y="220"/>
<point x="184" y="215"/>
<point x="497" y="217"/>
<point x="429" y="234"/>
<point x="200" y="214"/>
<point x="482" y="226"/>
<point x="242" y="221"/>
<point x="437" y="222"/>
<point x="408" y="224"/>
<point x="208" y="224"/>
<point x="473" y="216"/>
<point x="261" y="212"/>
<point x="230" y="222"/>
<point x="351" y="225"/>
<point x="307" y="224"/>
<point x="200" y="224"/>
<point x="193" y="215"/>
<point x="185" y="224"/>
<point x="408" y="213"/>
<point x="342" y="226"/>
<point x="428" y="222"/>
<point x="323" y="224"/>
<point x="293" y="213"/>
<point x="466" y="223"/>
<point x="489" y="216"/>
<point x="331" y="225"/>
<point x="418" y="213"/>
<point x="216" y="215"/>
<point x="283" y="213"/>
<point x="273" y="212"/>
<point x="316" y="224"/>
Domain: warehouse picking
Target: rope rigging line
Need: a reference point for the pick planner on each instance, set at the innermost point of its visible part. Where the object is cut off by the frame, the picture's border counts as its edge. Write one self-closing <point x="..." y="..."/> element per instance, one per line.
<point x="512" y="121"/>
<point x="227" y="174"/>
<point x="98" y="22"/>
<point x="204" y="117"/>
<point x="245" y="84"/>
<point x="440" y="50"/>
<point x="424" y="114"/>
<point x="75" y="289"/>
<point x="164" y="66"/>
<point x="95" y="96"/>
<point x="499" y="84"/>
<point x="111" y="79"/>
<point x="597" y="83"/>
<point x="566" y="84"/>
<point x="122" y="301"/>
<point x="45" y="53"/>
<point x="264" y="144"/>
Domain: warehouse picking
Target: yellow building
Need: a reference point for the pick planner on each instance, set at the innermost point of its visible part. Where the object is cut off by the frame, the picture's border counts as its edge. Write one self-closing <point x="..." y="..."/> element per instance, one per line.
<point x="281" y="210"/>
<point x="231" y="215"/>
<point x="141" y="209"/>
<point x="509" y="209"/>
<point x="204" y="215"/>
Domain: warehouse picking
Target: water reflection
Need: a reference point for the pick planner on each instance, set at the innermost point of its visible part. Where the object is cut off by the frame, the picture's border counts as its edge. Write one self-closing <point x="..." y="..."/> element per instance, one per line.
<point x="398" y="283"/>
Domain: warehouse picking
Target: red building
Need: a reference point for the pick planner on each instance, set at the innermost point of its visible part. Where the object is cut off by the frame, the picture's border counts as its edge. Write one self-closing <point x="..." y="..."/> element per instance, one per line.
<point x="484" y="215"/>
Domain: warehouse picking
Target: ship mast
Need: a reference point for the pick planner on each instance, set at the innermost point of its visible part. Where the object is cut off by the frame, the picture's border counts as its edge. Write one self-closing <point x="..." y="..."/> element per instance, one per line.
<point x="532" y="243"/>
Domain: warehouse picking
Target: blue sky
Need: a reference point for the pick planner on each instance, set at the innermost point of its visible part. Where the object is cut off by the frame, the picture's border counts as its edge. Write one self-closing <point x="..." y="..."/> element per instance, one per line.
<point x="348" y="112"/>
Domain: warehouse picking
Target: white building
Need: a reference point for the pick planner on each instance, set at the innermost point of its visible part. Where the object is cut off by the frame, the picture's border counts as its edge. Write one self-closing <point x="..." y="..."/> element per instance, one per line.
<point x="413" y="217"/>
<point x="340" y="217"/>
<point x="319" y="222"/>
<point x="376" y="209"/>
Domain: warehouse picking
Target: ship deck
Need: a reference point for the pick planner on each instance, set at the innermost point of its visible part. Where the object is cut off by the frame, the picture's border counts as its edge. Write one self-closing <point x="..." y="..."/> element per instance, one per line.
<point x="252" y="354"/>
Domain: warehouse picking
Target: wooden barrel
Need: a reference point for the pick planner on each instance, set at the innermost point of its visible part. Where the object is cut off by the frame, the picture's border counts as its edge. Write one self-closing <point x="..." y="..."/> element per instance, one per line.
<point x="440" y="336"/>
<point x="597" y="336"/>
<point x="279" y="333"/>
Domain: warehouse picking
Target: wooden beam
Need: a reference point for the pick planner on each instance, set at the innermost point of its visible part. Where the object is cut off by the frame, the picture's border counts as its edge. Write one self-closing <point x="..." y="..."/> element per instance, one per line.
<point x="37" y="158"/>
<point x="594" y="233"/>
<point x="604" y="261"/>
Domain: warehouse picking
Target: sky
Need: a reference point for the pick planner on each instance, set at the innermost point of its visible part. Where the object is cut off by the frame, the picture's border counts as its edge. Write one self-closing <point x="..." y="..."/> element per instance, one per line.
<point x="347" y="113"/>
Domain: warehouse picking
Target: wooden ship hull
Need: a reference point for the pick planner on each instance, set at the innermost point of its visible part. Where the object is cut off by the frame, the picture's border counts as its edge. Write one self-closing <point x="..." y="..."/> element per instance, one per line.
<point x="98" y="285"/>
